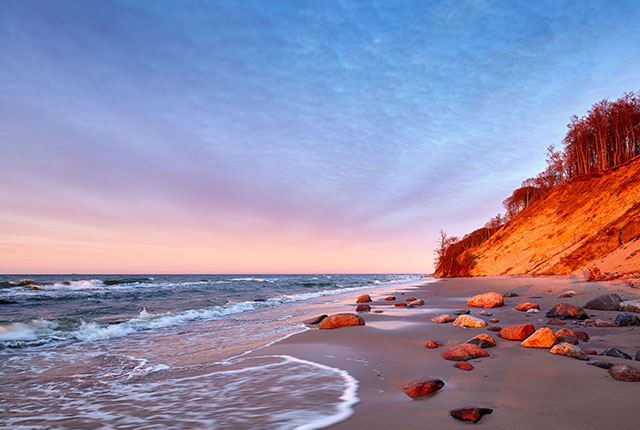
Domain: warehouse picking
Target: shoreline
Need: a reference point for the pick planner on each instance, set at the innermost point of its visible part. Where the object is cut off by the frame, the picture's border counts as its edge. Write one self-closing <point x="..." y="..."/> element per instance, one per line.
<point x="524" y="385"/>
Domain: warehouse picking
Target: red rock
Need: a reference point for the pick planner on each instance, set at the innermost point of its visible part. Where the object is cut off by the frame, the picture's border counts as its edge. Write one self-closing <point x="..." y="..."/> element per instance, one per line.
<point x="549" y="290"/>
<point x="526" y="306"/>
<point x="432" y="344"/>
<point x="486" y="300"/>
<point x="400" y="305"/>
<point x="569" y="350"/>
<point x="390" y="298"/>
<point x="422" y="387"/>
<point x="464" y="352"/>
<point x="482" y="340"/>
<point x="494" y="328"/>
<point x="363" y="308"/>
<point x="494" y="320"/>
<point x="469" y="321"/>
<point x="601" y="323"/>
<point x="316" y="320"/>
<point x="624" y="372"/>
<point x="364" y="298"/>
<point x="541" y="338"/>
<point x="564" y="311"/>
<point x="341" y="320"/>
<point x="566" y="335"/>
<point x="591" y="352"/>
<point x="378" y="311"/>
<point x="442" y="319"/>
<point x="582" y="336"/>
<point x="517" y="332"/>
<point x="463" y="365"/>
<point x="470" y="414"/>
<point x="411" y="299"/>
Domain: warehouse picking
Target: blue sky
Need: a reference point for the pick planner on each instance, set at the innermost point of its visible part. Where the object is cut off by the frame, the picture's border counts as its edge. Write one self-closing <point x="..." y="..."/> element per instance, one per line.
<point x="206" y="136"/>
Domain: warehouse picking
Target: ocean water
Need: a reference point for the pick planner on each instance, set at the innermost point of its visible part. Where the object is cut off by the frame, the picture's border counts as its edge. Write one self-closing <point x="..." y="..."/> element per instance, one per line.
<point x="168" y="351"/>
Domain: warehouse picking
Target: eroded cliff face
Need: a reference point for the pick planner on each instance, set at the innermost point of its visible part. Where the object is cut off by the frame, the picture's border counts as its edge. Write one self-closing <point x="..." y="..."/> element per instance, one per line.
<point x="591" y="223"/>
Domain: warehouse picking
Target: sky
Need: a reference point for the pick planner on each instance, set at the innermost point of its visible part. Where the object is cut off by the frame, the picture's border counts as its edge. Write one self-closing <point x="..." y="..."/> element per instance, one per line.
<point x="283" y="136"/>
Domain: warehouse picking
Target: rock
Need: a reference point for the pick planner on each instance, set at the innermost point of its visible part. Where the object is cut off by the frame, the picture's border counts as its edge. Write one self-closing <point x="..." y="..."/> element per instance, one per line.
<point x="626" y="319"/>
<point x="630" y="306"/>
<point x="517" y="332"/>
<point x="564" y="311"/>
<point x="623" y="372"/>
<point x="432" y="344"/>
<point x="463" y="365"/>
<point x="523" y="307"/>
<point x="470" y="414"/>
<point x="363" y="308"/>
<point x="442" y="319"/>
<point x="615" y="352"/>
<point x="411" y="299"/>
<point x="469" y="321"/>
<point x="416" y="303"/>
<point x="400" y="305"/>
<point x="582" y="336"/>
<point x="555" y="321"/>
<point x="390" y="298"/>
<point x="341" y="320"/>
<point x="510" y="295"/>
<point x="486" y="300"/>
<point x="533" y="311"/>
<point x="464" y="352"/>
<point x="566" y="335"/>
<point x="601" y="323"/>
<point x="591" y="352"/>
<point x="494" y="320"/>
<point x="494" y="328"/>
<point x="461" y="312"/>
<point x="422" y="387"/>
<point x="364" y="298"/>
<point x="541" y="338"/>
<point x="316" y="320"/>
<point x="601" y="364"/>
<point x="377" y="311"/>
<point x="606" y="302"/>
<point x="482" y="340"/>
<point x="485" y="313"/>
<point x="569" y="350"/>
<point x="566" y="294"/>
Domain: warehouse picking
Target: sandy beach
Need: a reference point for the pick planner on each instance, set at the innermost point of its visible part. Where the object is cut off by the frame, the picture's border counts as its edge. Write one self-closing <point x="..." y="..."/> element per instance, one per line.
<point x="526" y="387"/>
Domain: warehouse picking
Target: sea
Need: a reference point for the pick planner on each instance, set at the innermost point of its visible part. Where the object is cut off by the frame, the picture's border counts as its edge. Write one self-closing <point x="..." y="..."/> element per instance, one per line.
<point x="168" y="351"/>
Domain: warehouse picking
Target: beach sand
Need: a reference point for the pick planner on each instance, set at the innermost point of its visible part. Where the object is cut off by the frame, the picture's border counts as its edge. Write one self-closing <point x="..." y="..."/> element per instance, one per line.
<point x="527" y="388"/>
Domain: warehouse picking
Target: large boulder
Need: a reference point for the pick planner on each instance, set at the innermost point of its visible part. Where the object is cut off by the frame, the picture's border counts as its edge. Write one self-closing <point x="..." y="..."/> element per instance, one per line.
<point x="486" y="300"/>
<point x="469" y="321"/>
<point x="626" y="319"/>
<point x="569" y="350"/>
<point x="422" y="387"/>
<point x="517" y="332"/>
<point x="470" y="414"/>
<point x="606" y="302"/>
<point x="365" y="298"/>
<point x="630" y="306"/>
<point x="624" y="372"/>
<point x="541" y="338"/>
<point x="564" y="311"/>
<point x="341" y="320"/>
<point x="464" y="352"/>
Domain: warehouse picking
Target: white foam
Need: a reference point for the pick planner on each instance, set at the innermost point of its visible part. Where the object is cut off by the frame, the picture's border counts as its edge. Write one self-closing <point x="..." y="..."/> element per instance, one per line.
<point x="23" y="331"/>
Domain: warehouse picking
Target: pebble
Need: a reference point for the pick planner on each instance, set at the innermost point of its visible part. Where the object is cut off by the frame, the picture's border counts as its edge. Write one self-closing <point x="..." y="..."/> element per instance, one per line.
<point x="422" y="387"/>
<point x="470" y="414"/>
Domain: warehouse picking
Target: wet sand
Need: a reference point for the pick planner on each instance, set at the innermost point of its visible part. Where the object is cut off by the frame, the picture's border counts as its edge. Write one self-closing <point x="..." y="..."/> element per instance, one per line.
<point x="526" y="387"/>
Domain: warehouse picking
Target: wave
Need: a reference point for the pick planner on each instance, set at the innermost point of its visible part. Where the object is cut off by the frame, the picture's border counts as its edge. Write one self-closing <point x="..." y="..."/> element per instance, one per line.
<point x="271" y="280"/>
<point x="126" y="281"/>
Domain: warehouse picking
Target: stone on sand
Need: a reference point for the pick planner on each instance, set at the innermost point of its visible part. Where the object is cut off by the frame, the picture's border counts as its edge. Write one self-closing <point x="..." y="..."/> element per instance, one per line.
<point x="432" y="344"/>
<point x="602" y="323"/>
<point x="363" y="308"/>
<point x="390" y="298"/>
<point x="463" y="365"/>
<point x="418" y="302"/>
<point x="564" y="311"/>
<point x="566" y="294"/>
<point x="625" y="319"/>
<point x="581" y="335"/>
<point x="601" y="364"/>
<point x="606" y="302"/>
<point x="525" y="306"/>
<point x="624" y="372"/>
<point x="470" y="414"/>
<point x="442" y="319"/>
<point x="566" y="335"/>
<point x="517" y="332"/>
<point x="364" y="298"/>
<point x="615" y="352"/>
<point x="469" y="321"/>
<point x="541" y="338"/>
<point x="630" y="306"/>
<point x="482" y="340"/>
<point x="569" y="350"/>
<point x="422" y="387"/>
<point x="464" y="352"/>
<point x="486" y="300"/>
<point x="315" y="320"/>
<point x="341" y="320"/>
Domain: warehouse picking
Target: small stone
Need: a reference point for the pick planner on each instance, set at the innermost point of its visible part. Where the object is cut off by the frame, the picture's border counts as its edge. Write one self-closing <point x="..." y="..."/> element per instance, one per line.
<point x="567" y="294"/>
<point x="432" y="344"/>
<point x="364" y="298"/>
<point x="363" y="308"/>
<point x="555" y="321"/>
<point x="494" y="328"/>
<point x="569" y="350"/>
<point x="486" y="300"/>
<point x="623" y="372"/>
<point x="470" y="414"/>
<point x="564" y="311"/>
<point x="510" y="295"/>
<point x="533" y="311"/>
<point x="485" y="313"/>
<point x="494" y="320"/>
<point x="566" y="335"/>
<point x="625" y="319"/>
<point x="517" y="332"/>
<point x="416" y="302"/>
<point x="442" y="319"/>
<point x="377" y="311"/>
<point x="463" y="365"/>
<point x="341" y="320"/>
<point x="615" y="352"/>
<point x="606" y="302"/>
<point x="601" y="364"/>
<point x="591" y="352"/>
<point x="316" y="320"/>
<point x="630" y="306"/>
<point x="582" y="336"/>
<point x="525" y="306"/>
<point x="400" y="305"/>
<point x="422" y="387"/>
<point x="601" y="323"/>
<point x="541" y="338"/>
<point x="390" y="298"/>
<point x="464" y="352"/>
<point x="482" y="340"/>
<point x="461" y="312"/>
<point x="469" y="321"/>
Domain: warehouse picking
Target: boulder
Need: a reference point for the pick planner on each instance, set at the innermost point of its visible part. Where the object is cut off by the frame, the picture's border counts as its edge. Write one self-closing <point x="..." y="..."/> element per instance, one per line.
<point x="517" y="332"/>
<point x="432" y="344"/>
<point x="566" y="335"/>
<point x="541" y="338"/>
<point x="464" y="352"/>
<point x="316" y="320"/>
<point x="390" y="298"/>
<point x="363" y="308"/>
<point x="566" y="294"/>
<point x="463" y="365"/>
<point x="564" y="311"/>
<point x="442" y="319"/>
<point x="470" y="414"/>
<point x="630" y="306"/>
<point x="507" y="295"/>
<point x="569" y="350"/>
<point x="364" y="298"/>
<point x="582" y="336"/>
<point x="486" y="300"/>
<point x="422" y="387"/>
<point x="626" y="319"/>
<point x="615" y="352"/>
<point x="623" y="372"/>
<point x="482" y="340"/>
<point x="523" y="307"/>
<point x="606" y="302"/>
<point x="340" y="320"/>
<point x="601" y="364"/>
<point x="602" y="323"/>
<point x="469" y="321"/>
